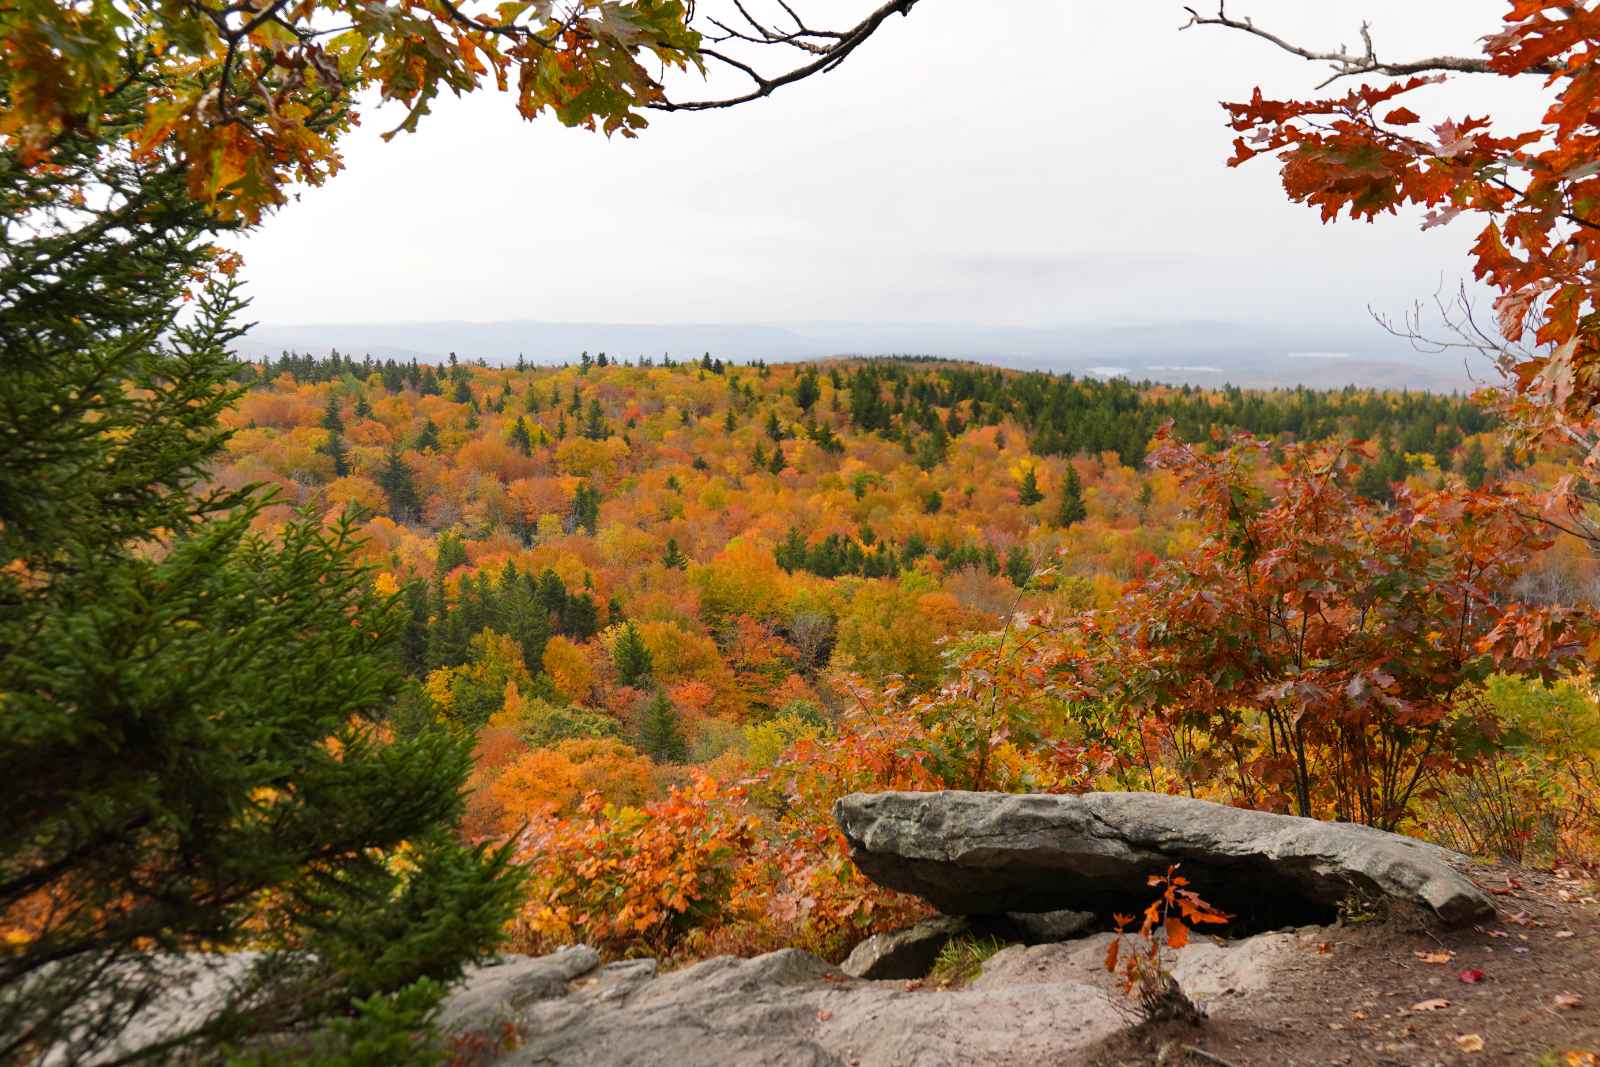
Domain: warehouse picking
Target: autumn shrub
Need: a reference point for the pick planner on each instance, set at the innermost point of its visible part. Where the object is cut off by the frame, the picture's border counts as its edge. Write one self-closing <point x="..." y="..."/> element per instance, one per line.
<point x="1311" y="648"/>
<point x="635" y="880"/>
<point x="1532" y="792"/>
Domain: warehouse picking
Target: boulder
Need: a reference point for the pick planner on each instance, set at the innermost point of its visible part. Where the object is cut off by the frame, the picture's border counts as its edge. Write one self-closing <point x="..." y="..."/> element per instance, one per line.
<point x="987" y="853"/>
<point x="908" y="953"/>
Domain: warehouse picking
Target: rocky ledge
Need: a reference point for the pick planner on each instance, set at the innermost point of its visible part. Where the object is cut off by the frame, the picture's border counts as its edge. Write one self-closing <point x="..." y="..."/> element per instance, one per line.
<point x="986" y="853"/>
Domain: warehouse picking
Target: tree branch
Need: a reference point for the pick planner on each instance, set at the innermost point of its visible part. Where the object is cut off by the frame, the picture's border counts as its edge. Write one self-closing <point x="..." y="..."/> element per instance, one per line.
<point x="827" y="55"/>
<point x="1347" y="64"/>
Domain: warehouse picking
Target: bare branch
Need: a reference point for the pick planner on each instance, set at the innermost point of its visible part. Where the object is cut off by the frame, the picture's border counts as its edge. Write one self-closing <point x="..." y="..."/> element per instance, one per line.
<point x="829" y="48"/>
<point x="1347" y="64"/>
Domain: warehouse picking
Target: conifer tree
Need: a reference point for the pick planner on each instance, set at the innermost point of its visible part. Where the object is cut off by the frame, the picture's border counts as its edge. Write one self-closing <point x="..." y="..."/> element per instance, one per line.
<point x="1028" y="494"/>
<point x="192" y="739"/>
<point x="630" y="656"/>
<point x="521" y="438"/>
<point x="778" y="460"/>
<point x="661" y="732"/>
<point x="400" y="486"/>
<point x="1071" y="510"/>
<point x="674" y="557"/>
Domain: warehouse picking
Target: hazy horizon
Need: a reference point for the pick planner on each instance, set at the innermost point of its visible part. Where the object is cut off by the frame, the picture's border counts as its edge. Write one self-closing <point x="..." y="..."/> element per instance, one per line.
<point x="1024" y="178"/>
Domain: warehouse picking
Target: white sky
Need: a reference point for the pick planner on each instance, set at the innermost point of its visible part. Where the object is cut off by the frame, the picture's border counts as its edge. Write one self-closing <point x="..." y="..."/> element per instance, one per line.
<point x="1009" y="162"/>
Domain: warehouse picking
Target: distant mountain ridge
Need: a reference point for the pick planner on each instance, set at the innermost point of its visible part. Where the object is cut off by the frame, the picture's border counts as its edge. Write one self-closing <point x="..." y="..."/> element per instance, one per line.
<point x="1199" y="352"/>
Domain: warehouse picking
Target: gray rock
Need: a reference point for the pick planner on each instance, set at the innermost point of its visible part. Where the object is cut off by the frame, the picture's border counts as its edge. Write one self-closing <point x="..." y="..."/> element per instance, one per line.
<point x="497" y="990"/>
<point x="790" y="1009"/>
<point x="908" y="953"/>
<point x="985" y="853"/>
<point x="1037" y="927"/>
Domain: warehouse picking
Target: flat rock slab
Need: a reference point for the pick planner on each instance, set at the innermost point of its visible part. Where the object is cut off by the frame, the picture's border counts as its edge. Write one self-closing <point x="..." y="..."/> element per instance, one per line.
<point x="985" y="853"/>
<point x="784" y="1009"/>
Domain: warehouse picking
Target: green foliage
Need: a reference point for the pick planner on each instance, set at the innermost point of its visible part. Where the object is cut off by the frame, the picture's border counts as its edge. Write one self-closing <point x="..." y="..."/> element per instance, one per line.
<point x="630" y="656"/>
<point x="393" y="1030"/>
<point x="1028" y="493"/>
<point x="660" y="732"/>
<point x="191" y="729"/>
<point x="1071" y="509"/>
<point x="962" y="959"/>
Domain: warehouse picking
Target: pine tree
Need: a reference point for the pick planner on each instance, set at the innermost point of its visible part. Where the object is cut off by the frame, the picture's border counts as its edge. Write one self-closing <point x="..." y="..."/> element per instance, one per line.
<point x="586" y="507"/>
<point x="1019" y="566"/>
<point x="192" y="739"/>
<point x="594" y="425"/>
<point x="400" y="486"/>
<point x="661" y="733"/>
<point x="428" y="438"/>
<point x="363" y="409"/>
<point x="778" y="460"/>
<point x="630" y="656"/>
<point x="1475" y="465"/>
<point x="331" y="419"/>
<point x="1071" y="510"/>
<point x="336" y="452"/>
<point x="521" y="438"/>
<point x="806" y="391"/>
<point x="1028" y="494"/>
<point x="674" y="557"/>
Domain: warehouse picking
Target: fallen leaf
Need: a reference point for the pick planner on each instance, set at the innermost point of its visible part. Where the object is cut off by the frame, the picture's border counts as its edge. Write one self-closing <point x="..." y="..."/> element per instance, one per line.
<point x="1521" y="918"/>
<point x="1324" y="947"/>
<point x="1568" y="1001"/>
<point x="1469" y="1043"/>
<point x="1562" y="935"/>
<point x="1498" y="933"/>
<point x="1358" y="1015"/>
<point x="1437" y="1004"/>
<point x="1442" y="956"/>
<point x="1471" y="976"/>
<point x="823" y="1015"/>
<point x="1577" y="1058"/>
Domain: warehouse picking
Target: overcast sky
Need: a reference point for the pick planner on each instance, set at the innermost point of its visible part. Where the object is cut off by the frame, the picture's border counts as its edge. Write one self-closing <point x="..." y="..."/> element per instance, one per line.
<point x="1010" y="162"/>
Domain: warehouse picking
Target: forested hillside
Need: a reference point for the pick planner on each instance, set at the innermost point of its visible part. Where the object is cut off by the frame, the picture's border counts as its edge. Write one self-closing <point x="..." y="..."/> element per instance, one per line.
<point x="765" y="585"/>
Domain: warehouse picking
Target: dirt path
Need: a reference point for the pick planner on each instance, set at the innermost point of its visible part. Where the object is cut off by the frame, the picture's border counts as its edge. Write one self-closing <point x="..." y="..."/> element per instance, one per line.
<point x="1522" y="990"/>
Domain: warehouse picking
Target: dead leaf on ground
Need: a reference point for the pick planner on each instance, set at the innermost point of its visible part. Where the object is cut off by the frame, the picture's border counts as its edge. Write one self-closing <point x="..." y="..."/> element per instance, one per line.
<point x="1442" y="956"/>
<point x="1470" y="1043"/>
<point x="1568" y="1001"/>
<point x="1436" y="1004"/>
<point x="1471" y="976"/>
<point x="1562" y="935"/>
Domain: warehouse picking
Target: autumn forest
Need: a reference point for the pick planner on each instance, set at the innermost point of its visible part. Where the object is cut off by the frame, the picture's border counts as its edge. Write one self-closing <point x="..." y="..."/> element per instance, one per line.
<point x="610" y="709"/>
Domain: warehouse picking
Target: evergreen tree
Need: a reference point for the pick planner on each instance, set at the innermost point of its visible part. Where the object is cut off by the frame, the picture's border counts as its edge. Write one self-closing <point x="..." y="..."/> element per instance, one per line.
<point x="630" y="656"/>
<point x="363" y="409"/>
<point x="1019" y="566"/>
<point x="330" y="416"/>
<point x="399" y="485"/>
<point x="674" y="557"/>
<point x="806" y="391"/>
<point x="594" y="426"/>
<point x="428" y="437"/>
<point x="1028" y="494"/>
<point x="521" y="438"/>
<point x="778" y="460"/>
<point x="1475" y="465"/>
<point x="462" y="394"/>
<point x="191" y="738"/>
<point x="336" y="452"/>
<point x="586" y="507"/>
<point x="661" y="733"/>
<point x="1071" y="509"/>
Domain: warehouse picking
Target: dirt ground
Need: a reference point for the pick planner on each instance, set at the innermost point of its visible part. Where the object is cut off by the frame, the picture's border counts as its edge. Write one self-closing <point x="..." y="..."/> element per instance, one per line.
<point x="1398" y="991"/>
